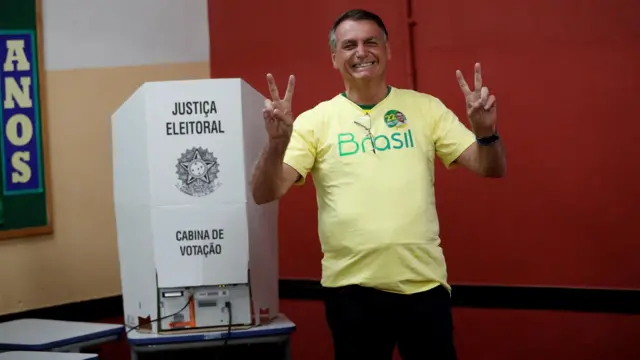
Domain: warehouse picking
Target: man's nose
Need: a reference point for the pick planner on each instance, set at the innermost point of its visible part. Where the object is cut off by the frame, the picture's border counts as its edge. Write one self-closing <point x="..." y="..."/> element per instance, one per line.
<point x="361" y="51"/>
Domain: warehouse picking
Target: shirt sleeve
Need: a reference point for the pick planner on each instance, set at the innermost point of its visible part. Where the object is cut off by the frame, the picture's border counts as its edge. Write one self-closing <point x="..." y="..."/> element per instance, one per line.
<point x="301" y="151"/>
<point x="450" y="136"/>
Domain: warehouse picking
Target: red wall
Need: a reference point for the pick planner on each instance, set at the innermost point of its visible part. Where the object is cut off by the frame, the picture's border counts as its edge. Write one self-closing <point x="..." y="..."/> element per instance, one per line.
<point x="564" y="77"/>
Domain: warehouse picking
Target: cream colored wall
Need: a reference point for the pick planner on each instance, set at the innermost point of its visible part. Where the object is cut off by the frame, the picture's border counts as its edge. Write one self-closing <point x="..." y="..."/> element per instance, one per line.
<point x="92" y="65"/>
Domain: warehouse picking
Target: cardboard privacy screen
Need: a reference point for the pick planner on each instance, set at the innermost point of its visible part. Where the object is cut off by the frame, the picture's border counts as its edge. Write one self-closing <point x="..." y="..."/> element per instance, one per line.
<point x="183" y="152"/>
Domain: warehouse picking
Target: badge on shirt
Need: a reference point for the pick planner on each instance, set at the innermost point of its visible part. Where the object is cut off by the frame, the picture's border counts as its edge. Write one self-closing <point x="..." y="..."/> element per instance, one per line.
<point x="395" y="118"/>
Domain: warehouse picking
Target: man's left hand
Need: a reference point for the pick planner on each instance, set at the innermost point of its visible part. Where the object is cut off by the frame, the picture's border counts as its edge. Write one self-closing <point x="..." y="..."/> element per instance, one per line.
<point x="481" y="106"/>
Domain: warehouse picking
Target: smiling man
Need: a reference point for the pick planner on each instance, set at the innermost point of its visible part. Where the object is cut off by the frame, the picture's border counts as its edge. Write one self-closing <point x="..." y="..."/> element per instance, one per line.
<point x="371" y="151"/>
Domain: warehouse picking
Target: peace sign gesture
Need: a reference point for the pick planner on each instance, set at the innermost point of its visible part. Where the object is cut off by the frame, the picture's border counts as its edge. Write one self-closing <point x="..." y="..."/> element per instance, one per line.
<point x="277" y="112"/>
<point x="481" y="107"/>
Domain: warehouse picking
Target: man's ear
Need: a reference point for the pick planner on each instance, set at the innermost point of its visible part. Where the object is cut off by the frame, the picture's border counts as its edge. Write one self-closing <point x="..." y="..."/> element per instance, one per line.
<point x="333" y="59"/>
<point x="388" y="47"/>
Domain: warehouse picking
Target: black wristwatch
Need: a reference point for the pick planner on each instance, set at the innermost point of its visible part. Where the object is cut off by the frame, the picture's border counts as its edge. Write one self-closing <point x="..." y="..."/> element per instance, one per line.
<point x="484" y="141"/>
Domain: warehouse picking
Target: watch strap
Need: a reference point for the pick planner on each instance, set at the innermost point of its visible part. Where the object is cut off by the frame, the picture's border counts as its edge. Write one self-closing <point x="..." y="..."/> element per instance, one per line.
<point x="488" y="140"/>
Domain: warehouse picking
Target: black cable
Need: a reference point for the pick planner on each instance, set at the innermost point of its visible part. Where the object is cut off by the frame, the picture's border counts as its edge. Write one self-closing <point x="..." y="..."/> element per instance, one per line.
<point x="164" y="317"/>
<point x="227" y="304"/>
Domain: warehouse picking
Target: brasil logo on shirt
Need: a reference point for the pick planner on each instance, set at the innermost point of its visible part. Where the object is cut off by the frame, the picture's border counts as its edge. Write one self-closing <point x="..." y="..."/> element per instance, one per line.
<point x="394" y="118"/>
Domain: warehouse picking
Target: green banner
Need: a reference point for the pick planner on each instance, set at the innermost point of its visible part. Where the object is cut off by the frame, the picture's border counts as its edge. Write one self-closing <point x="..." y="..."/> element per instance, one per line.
<point x="23" y="196"/>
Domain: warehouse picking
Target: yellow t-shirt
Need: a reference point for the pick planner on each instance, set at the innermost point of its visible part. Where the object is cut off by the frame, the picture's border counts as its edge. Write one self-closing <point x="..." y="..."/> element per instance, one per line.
<point x="377" y="219"/>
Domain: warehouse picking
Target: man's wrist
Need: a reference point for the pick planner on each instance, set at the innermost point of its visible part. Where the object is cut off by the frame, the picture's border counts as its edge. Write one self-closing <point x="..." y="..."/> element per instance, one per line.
<point x="279" y="141"/>
<point x="485" y="132"/>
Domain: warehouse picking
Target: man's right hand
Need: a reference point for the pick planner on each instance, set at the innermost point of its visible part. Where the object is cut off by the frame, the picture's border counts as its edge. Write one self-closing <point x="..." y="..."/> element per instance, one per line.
<point x="271" y="177"/>
<point x="277" y="114"/>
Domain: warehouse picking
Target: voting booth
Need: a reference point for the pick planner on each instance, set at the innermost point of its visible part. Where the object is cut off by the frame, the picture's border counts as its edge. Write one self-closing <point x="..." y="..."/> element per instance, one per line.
<point x="195" y="250"/>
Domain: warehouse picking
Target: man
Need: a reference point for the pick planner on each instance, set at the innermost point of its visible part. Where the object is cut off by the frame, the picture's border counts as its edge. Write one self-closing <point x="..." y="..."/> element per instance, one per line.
<point x="371" y="152"/>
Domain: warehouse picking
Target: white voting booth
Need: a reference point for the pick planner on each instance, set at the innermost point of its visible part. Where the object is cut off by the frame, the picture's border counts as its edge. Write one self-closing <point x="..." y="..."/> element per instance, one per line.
<point x="195" y="250"/>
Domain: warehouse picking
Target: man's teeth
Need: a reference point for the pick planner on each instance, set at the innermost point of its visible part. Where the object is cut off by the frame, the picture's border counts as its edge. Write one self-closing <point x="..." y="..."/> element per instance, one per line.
<point x="363" y="65"/>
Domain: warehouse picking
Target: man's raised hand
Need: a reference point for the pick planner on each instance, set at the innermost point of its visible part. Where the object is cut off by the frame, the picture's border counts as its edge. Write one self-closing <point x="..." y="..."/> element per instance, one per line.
<point x="277" y="114"/>
<point x="481" y="107"/>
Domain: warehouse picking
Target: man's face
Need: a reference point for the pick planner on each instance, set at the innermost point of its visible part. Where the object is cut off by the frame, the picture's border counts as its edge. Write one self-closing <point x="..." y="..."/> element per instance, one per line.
<point x="361" y="51"/>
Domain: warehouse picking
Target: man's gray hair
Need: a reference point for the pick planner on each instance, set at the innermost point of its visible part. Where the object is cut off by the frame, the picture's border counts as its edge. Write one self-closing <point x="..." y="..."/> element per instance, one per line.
<point x="356" y="14"/>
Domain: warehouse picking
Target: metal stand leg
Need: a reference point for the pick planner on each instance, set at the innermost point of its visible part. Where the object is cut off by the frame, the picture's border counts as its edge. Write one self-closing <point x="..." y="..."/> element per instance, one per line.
<point x="287" y="349"/>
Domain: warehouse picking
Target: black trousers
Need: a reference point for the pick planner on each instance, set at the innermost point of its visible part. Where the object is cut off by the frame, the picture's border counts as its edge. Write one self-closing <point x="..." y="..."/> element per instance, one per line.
<point x="367" y="324"/>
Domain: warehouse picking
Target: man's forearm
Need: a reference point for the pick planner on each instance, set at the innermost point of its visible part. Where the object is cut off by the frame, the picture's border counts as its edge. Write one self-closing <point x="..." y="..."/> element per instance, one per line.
<point x="268" y="173"/>
<point x="492" y="159"/>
